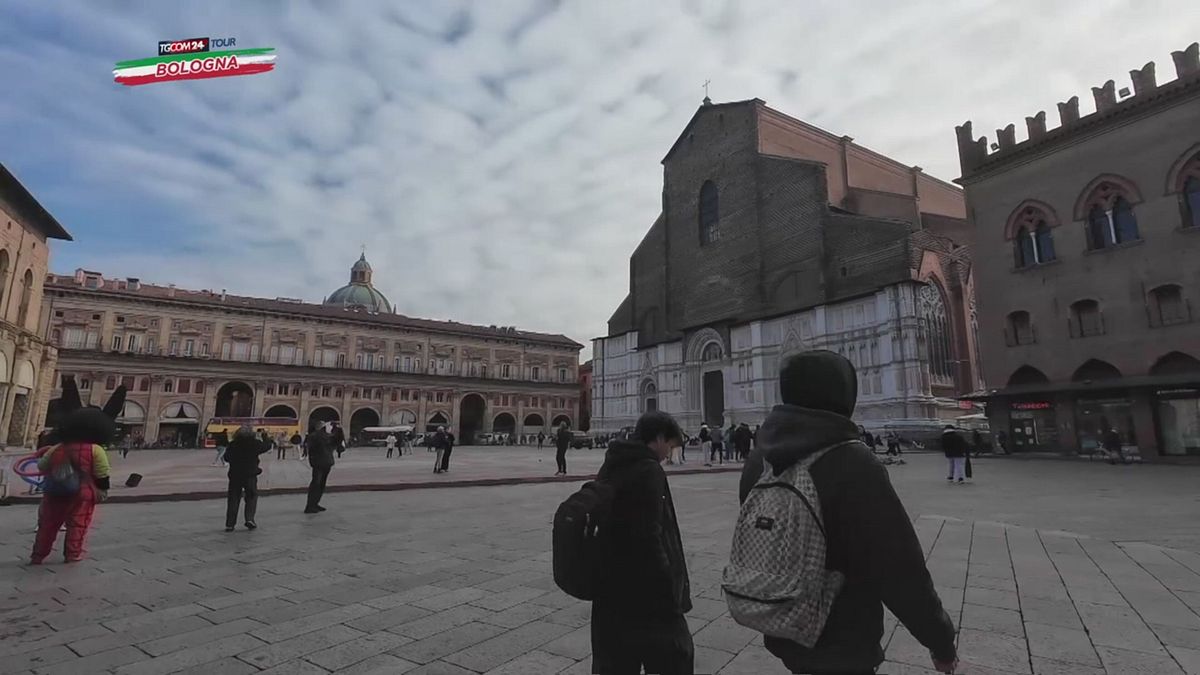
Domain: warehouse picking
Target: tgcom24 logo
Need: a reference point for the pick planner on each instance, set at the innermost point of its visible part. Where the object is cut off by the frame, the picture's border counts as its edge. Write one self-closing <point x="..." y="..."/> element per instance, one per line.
<point x="195" y="59"/>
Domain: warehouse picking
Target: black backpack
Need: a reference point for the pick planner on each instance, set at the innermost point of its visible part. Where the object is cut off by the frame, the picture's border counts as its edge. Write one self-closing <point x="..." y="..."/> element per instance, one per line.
<point x="580" y="525"/>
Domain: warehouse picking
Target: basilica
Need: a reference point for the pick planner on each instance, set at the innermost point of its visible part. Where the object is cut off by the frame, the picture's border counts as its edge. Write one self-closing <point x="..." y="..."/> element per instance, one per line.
<point x="776" y="236"/>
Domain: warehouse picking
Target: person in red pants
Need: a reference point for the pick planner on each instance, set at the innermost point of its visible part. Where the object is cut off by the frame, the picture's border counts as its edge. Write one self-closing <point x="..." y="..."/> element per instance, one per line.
<point x="75" y="472"/>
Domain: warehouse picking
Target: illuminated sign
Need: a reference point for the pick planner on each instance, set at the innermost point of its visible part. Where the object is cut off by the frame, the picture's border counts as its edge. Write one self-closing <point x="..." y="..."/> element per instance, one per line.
<point x="1032" y="405"/>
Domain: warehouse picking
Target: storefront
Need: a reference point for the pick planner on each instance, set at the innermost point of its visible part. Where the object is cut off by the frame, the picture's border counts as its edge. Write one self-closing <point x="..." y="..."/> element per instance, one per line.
<point x="1095" y="416"/>
<point x="1031" y="426"/>
<point x="1177" y="415"/>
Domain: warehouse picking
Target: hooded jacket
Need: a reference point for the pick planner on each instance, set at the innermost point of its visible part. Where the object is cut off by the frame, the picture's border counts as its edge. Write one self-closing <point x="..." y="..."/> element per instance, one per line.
<point x="953" y="445"/>
<point x="646" y="571"/>
<point x="870" y="537"/>
<point x="242" y="454"/>
<point x="320" y="449"/>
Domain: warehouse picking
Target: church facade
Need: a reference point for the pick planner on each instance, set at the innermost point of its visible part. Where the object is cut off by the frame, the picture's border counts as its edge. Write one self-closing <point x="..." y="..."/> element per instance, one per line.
<point x="776" y="236"/>
<point x="187" y="356"/>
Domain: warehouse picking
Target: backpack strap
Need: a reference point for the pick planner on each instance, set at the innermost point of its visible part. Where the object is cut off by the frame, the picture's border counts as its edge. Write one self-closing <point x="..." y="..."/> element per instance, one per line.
<point x="808" y="462"/>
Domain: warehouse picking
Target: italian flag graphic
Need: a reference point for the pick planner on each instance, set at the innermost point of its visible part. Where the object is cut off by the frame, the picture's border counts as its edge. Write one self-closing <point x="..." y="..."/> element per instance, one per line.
<point x="197" y="66"/>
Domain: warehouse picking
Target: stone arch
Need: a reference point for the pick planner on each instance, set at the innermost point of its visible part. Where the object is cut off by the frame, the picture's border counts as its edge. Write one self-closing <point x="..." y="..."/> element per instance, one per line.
<point x="235" y="399"/>
<point x="181" y="411"/>
<point x="1176" y="175"/>
<point x="24" y="376"/>
<point x="437" y="418"/>
<point x="504" y="423"/>
<point x="937" y="318"/>
<point x="322" y="414"/>
<point x="472" y="411"/>
<point x="1026" y="212"/>
<point x="534" y="420"/>
<point x="559" y="420"/>
<point x="1026" y="375"/>
<point x="132" y="414"/>
<point x="1126" y="186"/>
<point x="281" y="410"/>
<point x="402" y="418"/>
<point x="701" y="340"/>
<point x="3" y="364"/>
<point x="1095" y="369"/>
<point x="1176" y="363"/>
<point x="648" y="395"/>
<point x="361" y="419"/>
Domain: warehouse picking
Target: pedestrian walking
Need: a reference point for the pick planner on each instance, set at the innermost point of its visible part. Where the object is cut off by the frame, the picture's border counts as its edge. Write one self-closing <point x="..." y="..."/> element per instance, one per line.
<point x="706" y="444"/>
<point x="297" y="441"/>
<point x="242" y="456"/>
<point x="741" y="439"/>
<point x="439" y="443"/>
<point x="955" y="449"/>
<point x="339" y="439"/>
<point x="866" y="553"/>
<point x="1112" y="446"/>
<point x="222" y="440"/>
<point x="562" y="439"/>
<point x="390" y="441"/>
<point x="450" y="439"/>
<point x="541" y="439"/>
<point x="638" y="614"/>
<point x="406" y="442"/>
<point x="320" y="457"/>
<point x="281" y="445"/>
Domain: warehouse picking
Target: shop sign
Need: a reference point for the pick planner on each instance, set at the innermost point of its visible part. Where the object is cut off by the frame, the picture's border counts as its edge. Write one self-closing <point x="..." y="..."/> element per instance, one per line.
<point x="1032" y="405"/>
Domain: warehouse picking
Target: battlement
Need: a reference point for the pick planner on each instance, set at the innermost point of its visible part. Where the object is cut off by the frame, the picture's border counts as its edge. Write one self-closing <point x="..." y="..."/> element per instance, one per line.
<point x="975" y="154"/>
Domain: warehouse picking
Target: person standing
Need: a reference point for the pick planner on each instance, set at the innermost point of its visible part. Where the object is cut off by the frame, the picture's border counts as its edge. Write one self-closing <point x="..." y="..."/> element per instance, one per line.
<point x="406" y="442"/>
<point x="706" y="445"/>
<point x="390" y="441"/>
<point x="297" y="441"/>
<point x="438" y="443"/>
<point x="222" y="440"/>
<point x="320" y="458"/>
<point x="281" y="445"/>
<point x="242" y="455"/>
<point x="339" y="439"/>
<point x="638" y="615"/>
<point x="742" y="441"/>
<point x="562" y="439"/>
<point x="869" y="537"/>
<point x="449" y="449"/>
<point x="541" y="439"/>
<point x="1112" y="446"/>
<point x="955" y="449"/>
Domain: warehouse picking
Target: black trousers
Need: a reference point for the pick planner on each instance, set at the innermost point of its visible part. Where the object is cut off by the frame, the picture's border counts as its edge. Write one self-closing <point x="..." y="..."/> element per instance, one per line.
<point x="560" y="456"/>
<point x="280" y="451"/>
<point x="316" y="488"/>
<point x="239" y="487"/>
<point x="446" y="458"/>
<point x="623" y="644"/>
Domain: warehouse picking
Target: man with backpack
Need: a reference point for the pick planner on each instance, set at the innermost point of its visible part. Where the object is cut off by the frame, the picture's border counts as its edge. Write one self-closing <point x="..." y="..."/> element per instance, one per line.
<point x="852" y="546"/>
<point x="562" y="439"/>
<point x="643" y="591"/>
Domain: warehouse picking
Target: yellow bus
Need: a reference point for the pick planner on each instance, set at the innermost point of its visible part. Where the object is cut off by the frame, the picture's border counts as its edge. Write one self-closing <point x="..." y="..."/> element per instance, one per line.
<point x="272" y="425"/>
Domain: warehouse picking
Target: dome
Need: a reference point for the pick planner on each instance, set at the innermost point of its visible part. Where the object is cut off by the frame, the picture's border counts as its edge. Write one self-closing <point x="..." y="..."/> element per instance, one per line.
<point x="359" y="293"/>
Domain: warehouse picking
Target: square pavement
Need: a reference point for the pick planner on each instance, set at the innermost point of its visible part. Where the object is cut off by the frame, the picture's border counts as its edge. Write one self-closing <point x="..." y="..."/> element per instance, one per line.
<point x="458" y="581"/>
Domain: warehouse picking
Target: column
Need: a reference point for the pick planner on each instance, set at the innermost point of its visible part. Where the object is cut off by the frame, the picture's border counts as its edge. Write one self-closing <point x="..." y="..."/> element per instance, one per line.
<point x="454" y="399"/>
<point x="520" y="429"/>
<point x="1064" y="419"/>
<point x="422" y="410"/>
<point x="154" y="409"/>
<point x="209" y="410"/>
<point x="1144" y="428"/>
<point x="259" y="390"/>
<point x="305" y="402"/>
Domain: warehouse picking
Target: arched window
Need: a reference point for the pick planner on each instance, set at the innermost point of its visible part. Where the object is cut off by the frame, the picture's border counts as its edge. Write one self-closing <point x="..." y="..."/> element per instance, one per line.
<point x="1086" y="319"/>
<point x="936" y="325"/>
<point x="1044" y="242"/>
<point x="26" y="294"/>
<point x="1167" y="306"/>
<point x="1019" y="329"/>
<point x="712" y="352"/>
<point x="1190" y="200"/>
<point x="710" y="214"/>
<point x="1024" y="250"/>
<point x="1110" y="217"/>
<point x="144" y="384"/>
<point x="1033" y="242"/>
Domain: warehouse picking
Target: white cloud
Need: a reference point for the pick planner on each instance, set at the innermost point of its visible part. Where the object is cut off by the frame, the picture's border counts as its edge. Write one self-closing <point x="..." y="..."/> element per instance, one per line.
<point x="499" y="159"/>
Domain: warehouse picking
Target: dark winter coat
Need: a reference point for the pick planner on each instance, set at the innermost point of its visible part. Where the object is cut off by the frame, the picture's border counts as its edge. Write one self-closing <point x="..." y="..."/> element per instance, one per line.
<point x="338" y="437"/>
<point x="562" y="439"/>
<point x="705" y="435"/>
<point x="870" y="536"/>
<point x="647" y="574"/>
<point x="953" y="444"/>
<point x="242" y="455"/>
<point x="320" y="449"/>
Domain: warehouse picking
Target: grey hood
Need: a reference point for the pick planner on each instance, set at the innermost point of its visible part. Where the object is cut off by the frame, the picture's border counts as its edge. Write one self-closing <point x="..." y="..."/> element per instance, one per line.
<point x="791" y="433"/>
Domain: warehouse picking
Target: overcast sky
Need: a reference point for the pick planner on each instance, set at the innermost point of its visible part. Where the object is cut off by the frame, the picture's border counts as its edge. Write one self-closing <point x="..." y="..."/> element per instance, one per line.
<point x="499" y="160"/>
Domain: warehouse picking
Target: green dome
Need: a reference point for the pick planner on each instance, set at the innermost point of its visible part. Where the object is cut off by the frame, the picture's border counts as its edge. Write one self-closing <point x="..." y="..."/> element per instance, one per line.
<point x="359" y="293"/>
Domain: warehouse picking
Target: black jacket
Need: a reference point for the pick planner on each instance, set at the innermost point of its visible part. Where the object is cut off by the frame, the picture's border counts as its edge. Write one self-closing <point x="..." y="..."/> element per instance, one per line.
<point x="338" y="437"/>
<point x="705" y="435"/>
<point x="562" y="439"/>
<point x="320" y="449"/>
<point x="242" y="455"/>
<point x="647" y="574"/>
<point x="953" y="444"/>
<point x="870" y="539"/>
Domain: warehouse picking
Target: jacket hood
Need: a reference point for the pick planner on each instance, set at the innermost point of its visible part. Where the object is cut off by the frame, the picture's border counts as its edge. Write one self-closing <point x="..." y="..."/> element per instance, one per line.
<point x="621" y="453"/>
<point x="791" y="433"/>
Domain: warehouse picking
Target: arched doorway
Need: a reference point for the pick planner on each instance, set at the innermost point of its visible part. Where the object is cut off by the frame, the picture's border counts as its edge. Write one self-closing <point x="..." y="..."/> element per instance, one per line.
<point x="178" y="425"/>
<point x="132" y="422"/>
<point x="403" y="418"/>
<point x="649" y="396"/>
<point x="534" y="422"/>
<point x="361" y="419"/>
<point x="322" y="415"/>
<point x="504" y="423"/>
<point x="438" y="419"/>
<point x="560" y="420"/>
<point x="1177" y="408"/>
<point x="235" y="399"/>
<point x="281" y="411"/>
<point x="470" y="418"/>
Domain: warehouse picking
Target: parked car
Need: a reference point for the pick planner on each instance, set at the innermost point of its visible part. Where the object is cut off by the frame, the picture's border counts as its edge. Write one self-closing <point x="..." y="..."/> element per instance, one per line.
<point x="580" y="439"/>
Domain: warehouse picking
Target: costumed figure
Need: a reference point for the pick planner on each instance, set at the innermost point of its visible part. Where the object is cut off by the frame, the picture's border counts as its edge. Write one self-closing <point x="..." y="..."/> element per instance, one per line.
<point x="74" y="467"/>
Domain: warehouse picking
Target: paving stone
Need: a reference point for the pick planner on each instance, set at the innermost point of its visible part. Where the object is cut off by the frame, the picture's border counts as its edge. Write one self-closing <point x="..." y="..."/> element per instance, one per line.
<point x="450" y="599"/>
<point x="519" y="615"/>
<point x="499" y="650"/>
<point x="405" y="597"/>
<point x="533" y="662"/>
<point x="1061" y="644"/>
<point x="139" y="633"/>
<point x="179" y="641"/>
<point x="1173" y="636"/>
<point x="102" y="661"/>
<point x="17" y="646"/>
<point x="1042" y="666"/>
<point x="992" y="598"/>
<point x="359" y="649"/>
<point x="509" y="598"/>
<point x="287" y="629"/>
<point x="442" y="621"/>
<point x="223" y="601"/>
<point x="271" y="613"/>
<point x="380" y="664"/>
<point x="754" y="661"/>
<point x="1118" y="627"/>
<point x="440" y="668"/>
<point x="579" y="614"/>
<point x="295" y="668"/>
<point x="711" y="660"/>
<point x="893" y="668"/>
<point x="278" y="653"/>
<point x="575" y="645"/>
<point x="158" y="616"/>
<point x="1127" y="662"/>
<point x="388" y="618"/>
<point x="40" y="658"/>
<point x="1051" y="612"/>
<point x="1188" y="658"/>
<point x="194" y="656"/>
<point x="992" y="619"/>
<point x="992" y="650"/>
<point x="583" y="667"/>
<point x="448" y="642"/>
<point x="225" y="666"/>
<point x="725" y="635"/>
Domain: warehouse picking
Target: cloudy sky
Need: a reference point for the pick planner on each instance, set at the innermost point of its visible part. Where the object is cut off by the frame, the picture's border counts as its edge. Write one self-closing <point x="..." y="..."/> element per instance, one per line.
<point x="499" y="159"/>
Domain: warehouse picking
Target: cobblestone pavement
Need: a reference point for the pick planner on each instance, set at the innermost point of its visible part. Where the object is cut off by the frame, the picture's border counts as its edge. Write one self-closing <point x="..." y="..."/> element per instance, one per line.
<point x="457" y="581"/>
<point x="192" y="471"/>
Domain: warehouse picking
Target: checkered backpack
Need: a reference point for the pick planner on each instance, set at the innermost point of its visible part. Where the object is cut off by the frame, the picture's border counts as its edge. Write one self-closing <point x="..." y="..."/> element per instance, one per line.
<point x="776" y="582"/>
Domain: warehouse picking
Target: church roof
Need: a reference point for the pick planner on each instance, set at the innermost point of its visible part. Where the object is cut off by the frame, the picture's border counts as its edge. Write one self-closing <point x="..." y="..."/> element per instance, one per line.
<point x="360" y="292"/>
